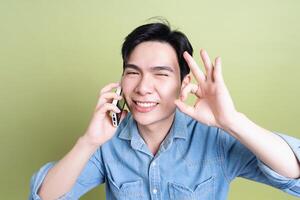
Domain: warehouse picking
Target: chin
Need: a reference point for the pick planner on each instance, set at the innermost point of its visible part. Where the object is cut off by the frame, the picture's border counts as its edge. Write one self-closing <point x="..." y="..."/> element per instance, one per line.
<point x="144" y="119"/>
<point x="151" y="118"/>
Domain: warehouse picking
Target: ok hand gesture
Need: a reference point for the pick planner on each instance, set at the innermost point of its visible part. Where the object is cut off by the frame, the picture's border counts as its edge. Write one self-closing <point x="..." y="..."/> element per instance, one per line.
<point x="214" y="105"/>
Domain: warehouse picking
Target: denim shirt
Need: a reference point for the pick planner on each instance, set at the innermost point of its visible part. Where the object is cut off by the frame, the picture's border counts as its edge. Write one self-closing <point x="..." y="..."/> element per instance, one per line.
<point x="195" y="161"/>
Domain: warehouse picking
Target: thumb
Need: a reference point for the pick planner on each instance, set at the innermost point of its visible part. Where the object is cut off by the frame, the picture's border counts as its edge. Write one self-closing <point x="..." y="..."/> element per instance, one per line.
<point x="183" y="107"/>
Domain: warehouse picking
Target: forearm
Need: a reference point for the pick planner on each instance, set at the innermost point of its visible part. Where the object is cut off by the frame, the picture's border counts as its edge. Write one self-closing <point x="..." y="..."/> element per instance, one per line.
<point x="64" y="174"/>
<point x="267" y="146"/>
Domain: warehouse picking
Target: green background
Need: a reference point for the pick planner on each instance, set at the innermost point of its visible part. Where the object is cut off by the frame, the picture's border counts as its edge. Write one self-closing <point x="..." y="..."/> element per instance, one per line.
<point x="55" y="56"/>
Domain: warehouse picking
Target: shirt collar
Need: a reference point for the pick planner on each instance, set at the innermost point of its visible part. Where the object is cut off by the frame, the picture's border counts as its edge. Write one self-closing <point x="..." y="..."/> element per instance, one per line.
<point x="179" y="126"/>
<point x="130" y="132"/>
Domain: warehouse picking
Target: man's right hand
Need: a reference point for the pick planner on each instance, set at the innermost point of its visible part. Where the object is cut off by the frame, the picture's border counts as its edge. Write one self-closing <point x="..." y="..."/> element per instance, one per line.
<point x="100" y="128"/>
<point x="61" y="178"/>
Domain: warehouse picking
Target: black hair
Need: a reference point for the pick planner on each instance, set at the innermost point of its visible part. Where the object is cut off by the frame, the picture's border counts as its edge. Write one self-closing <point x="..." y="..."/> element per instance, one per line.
<point x="160" y="32"/>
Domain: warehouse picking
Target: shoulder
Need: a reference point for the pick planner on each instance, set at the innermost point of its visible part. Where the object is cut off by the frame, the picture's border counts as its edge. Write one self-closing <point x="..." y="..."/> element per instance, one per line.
<point x="199" y="133"/>
<point x="200" y="129"/>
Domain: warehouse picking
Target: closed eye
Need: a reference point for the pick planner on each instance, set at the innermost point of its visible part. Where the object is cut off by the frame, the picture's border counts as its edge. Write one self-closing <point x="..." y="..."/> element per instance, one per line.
<point x="160" y="74"/>
<point x="132" y="73"/>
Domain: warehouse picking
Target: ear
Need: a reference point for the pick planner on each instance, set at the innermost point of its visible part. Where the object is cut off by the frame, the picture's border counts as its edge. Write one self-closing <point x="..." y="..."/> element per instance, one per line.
<point x="186" y="80"/>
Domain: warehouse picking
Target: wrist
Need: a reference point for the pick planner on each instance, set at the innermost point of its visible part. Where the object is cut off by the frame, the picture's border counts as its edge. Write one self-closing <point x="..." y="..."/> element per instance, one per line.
<point x="234" y="122"/>
<point x="87" y="143"/>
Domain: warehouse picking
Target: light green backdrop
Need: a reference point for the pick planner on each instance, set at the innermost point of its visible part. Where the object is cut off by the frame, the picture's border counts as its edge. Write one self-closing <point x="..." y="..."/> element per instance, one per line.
<point x="55" y="56"/>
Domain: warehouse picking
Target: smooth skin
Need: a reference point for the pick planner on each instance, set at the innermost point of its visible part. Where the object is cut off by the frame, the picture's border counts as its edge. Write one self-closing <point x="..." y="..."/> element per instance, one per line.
<point x="152" y="75"/>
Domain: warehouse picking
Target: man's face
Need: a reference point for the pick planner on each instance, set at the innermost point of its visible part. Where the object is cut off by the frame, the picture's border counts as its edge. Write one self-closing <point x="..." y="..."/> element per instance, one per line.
<point x="151" y="82"/>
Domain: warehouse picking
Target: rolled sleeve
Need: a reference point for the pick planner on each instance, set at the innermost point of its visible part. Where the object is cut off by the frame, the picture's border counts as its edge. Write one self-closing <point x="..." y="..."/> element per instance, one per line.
<point x="294" y="143"/>
<point x="37" y="180"/>
<point x="289" y="185"/>
<point x="91" y="176"/>
<point x="239" y="161"/>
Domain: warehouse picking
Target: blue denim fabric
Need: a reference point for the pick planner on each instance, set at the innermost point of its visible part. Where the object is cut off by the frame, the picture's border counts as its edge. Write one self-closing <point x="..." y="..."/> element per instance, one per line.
<point x="194" y="161"/>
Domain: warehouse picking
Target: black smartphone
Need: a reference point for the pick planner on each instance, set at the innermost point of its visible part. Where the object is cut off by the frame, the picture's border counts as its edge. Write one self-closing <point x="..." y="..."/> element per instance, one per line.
<point x="115" y="117"/>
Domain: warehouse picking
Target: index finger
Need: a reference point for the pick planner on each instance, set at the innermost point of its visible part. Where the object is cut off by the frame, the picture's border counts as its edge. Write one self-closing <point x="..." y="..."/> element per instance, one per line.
<point x="109" y="87"/>
<point x="196" y="71"/>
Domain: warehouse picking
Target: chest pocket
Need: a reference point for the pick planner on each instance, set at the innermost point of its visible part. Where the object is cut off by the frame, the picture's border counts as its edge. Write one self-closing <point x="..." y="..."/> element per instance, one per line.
<point x="204" y="190"/>
<point x="131" y="190"/>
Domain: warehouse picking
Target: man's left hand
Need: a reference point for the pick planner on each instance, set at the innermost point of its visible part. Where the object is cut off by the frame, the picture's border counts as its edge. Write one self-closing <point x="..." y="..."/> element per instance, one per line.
<point x="214" y="105"/>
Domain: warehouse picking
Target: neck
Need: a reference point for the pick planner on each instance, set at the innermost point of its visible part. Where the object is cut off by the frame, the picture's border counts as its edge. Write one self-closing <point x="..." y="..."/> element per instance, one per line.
<point x="154" y="134"/>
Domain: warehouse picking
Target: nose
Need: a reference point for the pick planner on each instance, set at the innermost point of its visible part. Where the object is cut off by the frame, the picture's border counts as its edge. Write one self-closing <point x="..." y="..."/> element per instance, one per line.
<point x="144" y="86"/>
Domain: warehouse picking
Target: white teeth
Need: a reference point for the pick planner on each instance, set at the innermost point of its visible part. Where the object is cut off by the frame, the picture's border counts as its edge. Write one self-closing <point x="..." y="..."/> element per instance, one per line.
<point x="145" y="105"/>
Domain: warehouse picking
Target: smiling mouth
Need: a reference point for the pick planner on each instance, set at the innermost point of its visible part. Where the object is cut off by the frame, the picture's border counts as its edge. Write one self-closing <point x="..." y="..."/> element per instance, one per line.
<point x="144" y="106"/>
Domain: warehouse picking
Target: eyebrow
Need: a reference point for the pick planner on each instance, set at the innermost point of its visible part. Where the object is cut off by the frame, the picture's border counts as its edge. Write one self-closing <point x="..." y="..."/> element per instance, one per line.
<point x="154" y="68"/>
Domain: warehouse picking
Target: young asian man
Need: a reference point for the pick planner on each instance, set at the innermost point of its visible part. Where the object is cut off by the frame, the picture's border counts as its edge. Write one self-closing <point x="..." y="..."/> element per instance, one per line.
<point x="164" y="148"/>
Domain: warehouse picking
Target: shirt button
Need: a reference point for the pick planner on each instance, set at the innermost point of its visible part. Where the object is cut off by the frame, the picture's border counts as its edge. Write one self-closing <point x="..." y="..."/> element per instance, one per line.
<point x="154" y="163"/>
<point x="154" y="191"/>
